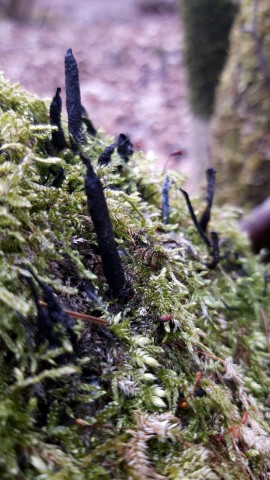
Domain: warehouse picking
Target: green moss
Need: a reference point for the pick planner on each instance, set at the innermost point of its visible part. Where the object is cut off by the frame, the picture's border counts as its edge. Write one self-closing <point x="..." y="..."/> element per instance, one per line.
<point x="114" y="410"/>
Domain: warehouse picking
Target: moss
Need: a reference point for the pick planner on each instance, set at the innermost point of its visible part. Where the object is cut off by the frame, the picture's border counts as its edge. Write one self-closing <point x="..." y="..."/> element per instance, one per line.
<point x="115" y="409"/>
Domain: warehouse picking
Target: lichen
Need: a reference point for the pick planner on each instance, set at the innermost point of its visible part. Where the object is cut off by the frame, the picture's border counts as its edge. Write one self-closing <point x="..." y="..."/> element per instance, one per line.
<point x="125" y="406"/>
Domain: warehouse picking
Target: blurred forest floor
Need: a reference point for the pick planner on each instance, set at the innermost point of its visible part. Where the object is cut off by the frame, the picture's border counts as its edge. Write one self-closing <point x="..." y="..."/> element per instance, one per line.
<point x="130" y="60"/>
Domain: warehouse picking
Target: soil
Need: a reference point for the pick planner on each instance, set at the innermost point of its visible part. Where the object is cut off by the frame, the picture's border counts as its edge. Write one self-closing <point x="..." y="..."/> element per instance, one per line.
<point x="130" y="59"/>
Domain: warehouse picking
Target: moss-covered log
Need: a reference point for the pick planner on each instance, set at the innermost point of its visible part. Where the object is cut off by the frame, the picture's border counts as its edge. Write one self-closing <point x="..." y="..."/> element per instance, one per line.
<point x="242" y="116"/>
<point x="174" y="384"/>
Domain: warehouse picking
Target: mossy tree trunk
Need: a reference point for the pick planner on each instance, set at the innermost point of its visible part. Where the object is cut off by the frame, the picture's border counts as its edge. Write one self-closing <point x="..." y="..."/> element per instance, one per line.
<point x="241" y="126"/>
<point x="19" y="10"/>
<point x="207" y="24"/>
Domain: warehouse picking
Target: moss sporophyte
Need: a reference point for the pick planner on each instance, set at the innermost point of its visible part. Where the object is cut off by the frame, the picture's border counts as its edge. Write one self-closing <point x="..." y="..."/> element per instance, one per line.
<point x="166" y="378"/>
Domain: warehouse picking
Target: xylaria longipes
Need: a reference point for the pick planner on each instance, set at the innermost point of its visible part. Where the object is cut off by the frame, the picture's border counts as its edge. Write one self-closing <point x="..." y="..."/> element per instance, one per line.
<point x="165" y="200"/>
<point x="73" y="97"/>
<point x="97" y="206"/>
<point x="58" y="137"/>
<point x="210" y="192"/>
<point x="54" y="315"/>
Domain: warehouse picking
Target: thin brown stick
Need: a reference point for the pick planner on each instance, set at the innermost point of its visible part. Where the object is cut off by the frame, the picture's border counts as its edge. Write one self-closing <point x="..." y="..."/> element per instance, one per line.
<point x="214" y="357"/>
<point x="81" y="316"/>
<point x="266" y="329"/>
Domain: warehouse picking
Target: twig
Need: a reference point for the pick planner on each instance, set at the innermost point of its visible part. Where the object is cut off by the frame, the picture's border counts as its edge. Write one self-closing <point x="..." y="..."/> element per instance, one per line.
<point x="214" y="357"/>
<point x="81" y="316"/>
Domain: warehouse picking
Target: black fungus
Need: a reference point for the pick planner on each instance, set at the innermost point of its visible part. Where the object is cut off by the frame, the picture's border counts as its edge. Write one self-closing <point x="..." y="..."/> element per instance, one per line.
<point x="165" y="200"/>
<point x="266" y="281"/>
<point x="55" y="312"/>
<point x="213" y="243"/>
<point x="99" y="213"/>
<point x="106" y="156"/>
<point x="214" y="250"/>
<point x="44" y="322"/>
<point x="58" y="137"/>
<point x="194" y="219"/>
<point x="73" y="97"/>
<point x="229" y="308"/>
<point x="58" y="179"/>
<point x="211" y="182"/>
<point x="87" y="288"/>
<point x="200" y="392"/>
<point x="125" y="148"/>
<point x="86" y="120"/>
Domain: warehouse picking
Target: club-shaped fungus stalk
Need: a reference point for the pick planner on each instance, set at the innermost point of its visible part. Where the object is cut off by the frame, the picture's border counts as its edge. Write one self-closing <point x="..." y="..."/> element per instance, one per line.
<point x="165" y="200"/>
<point x="58" y="137"/>
<point x="87" y="122"/>
<point x="97" y="206"/>
<point x="210" y="191"/>
<point x="106" y="157"/>
<point x="125" y="148"/>
<point x="73" y="97"/>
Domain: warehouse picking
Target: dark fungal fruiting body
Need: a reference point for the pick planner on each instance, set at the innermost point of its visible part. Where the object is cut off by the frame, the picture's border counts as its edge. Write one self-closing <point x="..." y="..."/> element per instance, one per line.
<point x="199" y="393"/>
<point x="58" y="137"/>
<point x="58" y="179"/>
<point x="55" y="314"/>
<point x="106" y="157"/>
<point x="99" y="213"/>
<point x="86" y="120"/>
<point x="210" y="192"/>
<point x="73" y="97"/>
<point x="165" y="200"/>
<point x="214" y="250"/>
<point x="45" y="325"/>
<point x="194" y="218"/>
<point x="125" y="148"/>
<point x="201" y="226"/>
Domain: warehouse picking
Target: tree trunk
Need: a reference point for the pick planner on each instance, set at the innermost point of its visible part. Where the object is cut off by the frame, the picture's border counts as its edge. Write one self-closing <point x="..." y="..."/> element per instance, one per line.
<point x="241" y="126"/>
<point x="207" y="24"/>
